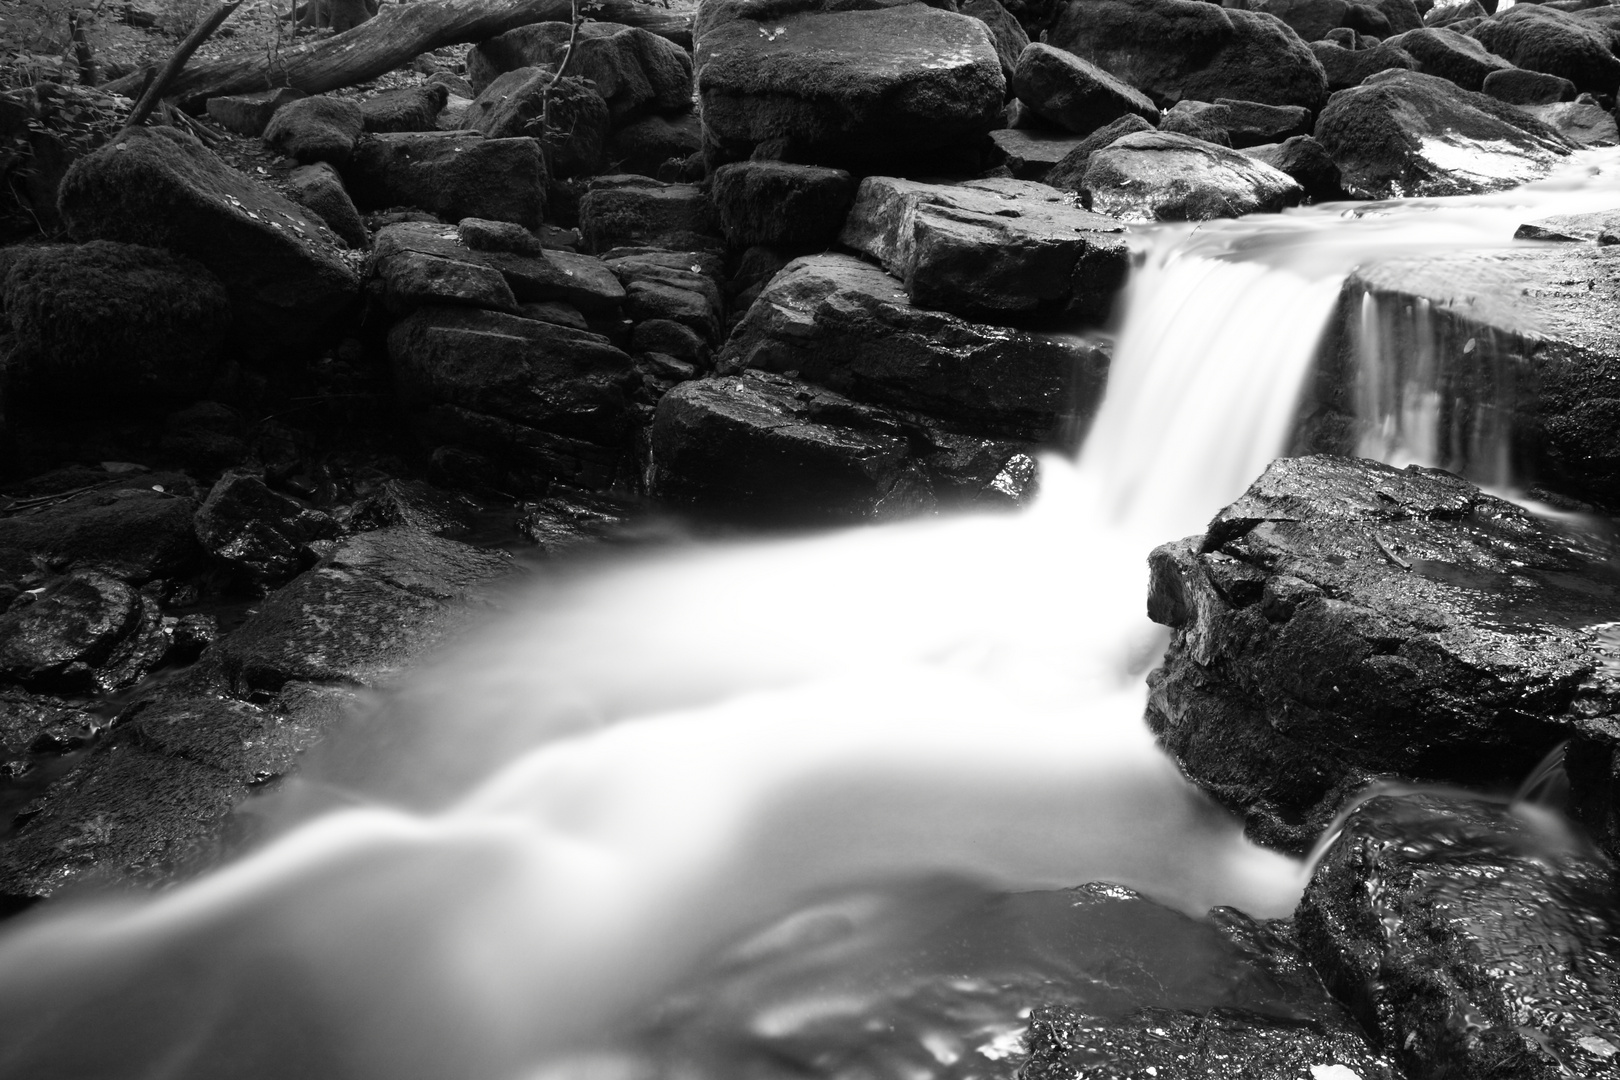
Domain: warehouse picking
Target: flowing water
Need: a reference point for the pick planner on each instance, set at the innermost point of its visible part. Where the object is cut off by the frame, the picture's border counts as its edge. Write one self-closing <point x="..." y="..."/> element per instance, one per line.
<point x="737" y="787"/>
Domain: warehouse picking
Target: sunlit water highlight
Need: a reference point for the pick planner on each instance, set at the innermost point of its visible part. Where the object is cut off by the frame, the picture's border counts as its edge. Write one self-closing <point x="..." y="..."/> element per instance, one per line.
<point x="547" y="831"/>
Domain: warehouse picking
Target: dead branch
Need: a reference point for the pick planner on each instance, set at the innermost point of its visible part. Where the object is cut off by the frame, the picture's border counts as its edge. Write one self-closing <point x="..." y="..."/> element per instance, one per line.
<point x="171" y="70"/>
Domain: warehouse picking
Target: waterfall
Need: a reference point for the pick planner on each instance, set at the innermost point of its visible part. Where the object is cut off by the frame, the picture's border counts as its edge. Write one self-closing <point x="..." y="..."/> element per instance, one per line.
<point x="534" y="840"/>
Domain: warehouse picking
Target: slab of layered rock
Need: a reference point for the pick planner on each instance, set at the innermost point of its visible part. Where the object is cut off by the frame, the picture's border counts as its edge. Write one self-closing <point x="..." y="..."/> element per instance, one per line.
<point x="990" y="247"/>
<point x="415" y="263"/>
<point x="638" y="211"/>
<point x="454" y="174"/>
<point x="1163" y="176"/>
<point x="1403" y="134"/>
<point x="1345" y="619"/>
<point x="870" y="87"/>
<point x="842" y="323"/>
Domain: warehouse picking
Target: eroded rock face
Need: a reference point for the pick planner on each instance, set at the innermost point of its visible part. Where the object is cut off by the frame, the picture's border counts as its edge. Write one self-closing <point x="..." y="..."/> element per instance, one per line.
<point x="1402" y="134"/>
<point x="990" y="248"/>
<point x="1471" y="940"/>
<point x="1346" y="619"/>
<point x="865" y="89"/>
<point x="1162" y="176"/>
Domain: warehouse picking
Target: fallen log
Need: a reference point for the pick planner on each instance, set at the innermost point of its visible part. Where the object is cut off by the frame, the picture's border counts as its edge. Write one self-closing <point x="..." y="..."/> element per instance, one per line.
<point x="396" y="35"/>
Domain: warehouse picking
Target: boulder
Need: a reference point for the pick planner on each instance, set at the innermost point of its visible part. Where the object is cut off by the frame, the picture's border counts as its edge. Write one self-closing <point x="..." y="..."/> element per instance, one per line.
<point x="646" y="146"/>
<point x="454" y="174"/>
<point x="163" y="188"/>
<point x="408" y="108"/>
<point x="638" y="211"/>
<point x="1402" y="15"/>
<point x="1601" y="227"/>
<point x="1243" y="123"/>
<point x="1005" y="30"/>
<point x="1071" y="168"/>
<point x="1581" y="123"/>
<point x="1159" y="176"/>
<point x="247" y="114"/>
<point x="319" y="189"/>
<point x="261" y="534"/>
<point x="1030" y="153"/>
<point x="1471" y="938"/>
<point x="672" y="287"/>
<point x="990" y="248"/>
<point x="511" y="106"/>
<point x="844" y="324"/>
<point x="127" y="529"/>
<point x="82" y="633"/>
<point x="1189" y="119"/>
<point x="889" y="87"/>
<point x="316" y="129"/>
<point x="1345" y="619"/>
<point x="563" y="276"/>
<point x="1351" y="67"/>
<point x="798" y="207"/>
<point x="1307" y="161"/>
<point x="107" y="324"/>
<point x="479" y="234"/>
<point x="1176" y="49"/>
<point x="414" y="264"/>
<point x="1402" y="134"/>
<point x="1074" y="94"/>
<point x="1450" y="55"/>
<point x="1540" y="38"/>
<point x="1456" y="14"/>
<point x="1517" y="86"/>
<point x="635" y="71"/>
<point x="1313" y="19"/>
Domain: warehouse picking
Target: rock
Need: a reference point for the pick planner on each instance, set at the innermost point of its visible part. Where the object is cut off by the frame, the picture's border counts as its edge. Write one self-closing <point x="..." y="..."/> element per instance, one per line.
<point x="1158" y="176"/>
<point x="1030" y="153"/>
<point x="132" y="532"/>
<point x="110" y="324"/>
<point x="84" y="632"/>
<point x="666" y="337"/>
<point x="247" y="114"/>
<point x="415" y="504"/>
<point x="1580" y="123"/>
<point x="1470" y="939"/>
<point x="1073" y="93"/>
<point x="1346" y="67"/>
<point x="1192" y="122"/>
<point x="844" y="324"/>
<point x="1186" y="49"/>
<point x="668" y="286"/>
<point x="1241" y="123"/>
<point x="547" y="397"/>
<point x="867" y="90"/>
<point x="512" y="106"/>
<point x="259" y="533"/>
<point x="409" y="108"/>
<point x="163" y="188"/>
<point x="646" y="145"/>
<point x="580" y="280"/>
<point x="1519" y="87"/>
<point x="1450" y="55"/>
<point x="568" y="521"/>
<point x="1006" y="31"/>
<point x="1402" y="15"/>
<point x="990" y="247"/>
<point x="316" y="129"/>
<point x="1402" y="134"/>
<point x="1308" y="162"/>
<point x="1071" y="168"/>
<point x="455" y="84"/>
<point x="637" y="211"/>
<point x="635" y="71"/>
<point x="1313" y="19"/>
<point x="481" y="235"/>
<point x="1345" y="619"/>
<point x="319" y="189"/>
<point x="1602" y="227"/>
<point x="554" y="311"/>
<point x="416" y="264"/>
<point x="799" y="207"/>
<point x="1456" y="15"/>
<point x="1539" y="38"/>
<point x="34" y="724"/>
<point x="454" y="174"/>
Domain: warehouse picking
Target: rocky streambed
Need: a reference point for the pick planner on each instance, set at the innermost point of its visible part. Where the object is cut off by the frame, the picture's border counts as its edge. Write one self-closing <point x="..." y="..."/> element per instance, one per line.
<point x="273" y="433"/>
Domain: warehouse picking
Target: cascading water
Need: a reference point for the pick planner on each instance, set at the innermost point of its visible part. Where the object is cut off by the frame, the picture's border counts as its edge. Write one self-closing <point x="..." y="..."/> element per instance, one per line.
<point x="518" y="854"/>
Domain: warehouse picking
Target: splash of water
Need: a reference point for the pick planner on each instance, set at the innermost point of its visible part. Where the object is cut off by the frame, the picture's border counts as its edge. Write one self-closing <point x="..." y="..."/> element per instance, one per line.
<point x="547" y="829"/>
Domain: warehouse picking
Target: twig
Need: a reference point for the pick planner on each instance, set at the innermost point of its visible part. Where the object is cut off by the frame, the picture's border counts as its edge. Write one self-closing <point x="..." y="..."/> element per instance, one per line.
<point x="578" y="20"/>
<point x="154" y="92"/>
<point x="82" y="56"/>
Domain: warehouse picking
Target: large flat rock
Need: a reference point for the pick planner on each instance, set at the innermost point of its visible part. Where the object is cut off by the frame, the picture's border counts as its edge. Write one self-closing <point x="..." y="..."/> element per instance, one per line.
<point x="990" y="248"/>
<point x="844" y="324"/>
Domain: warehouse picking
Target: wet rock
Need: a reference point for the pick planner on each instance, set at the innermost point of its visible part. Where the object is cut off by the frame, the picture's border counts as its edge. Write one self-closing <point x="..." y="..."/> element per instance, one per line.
<point x="846" y="325"/>
<point x="1540" y="38"/>
<point x="1071" y="168"/>
<point x="1351" y="67"/>
<point x="481" y="235"/>
<point x="109" y="324"/>
<point x="409" y="108"/>
<point x="1073" y="93"/>
<point x="513" y="104"/>
<point x="1006" y="32"/>
<point x="990" y="248"/>
<point x="319" y="189"/>
<point x="638" y="211"/>
<point x="1308" y="162"/>
<point x="1159" y="176"/>
<point x="1345" y="619"/>
<point x="1184" y="49"/>
<point x="81" y="633"/>
<point x="1030" y="153"/>
<point x="1579" y="122"/>
<point x="1402" y="134"/>
<point x="132" y="532"/>
<point x="163" y="188"/>
<point x="261" y="533"/>
<point x="247" y="114"/>
<point x="669" y="287"/>
<point x="645" y="146"/>
<point x="1602" y="227"/>
<point x="1470" y="939"/>
<point x="316" y="129"/>
<point x="548" y="397"/>
<point x="1517" y="86"/>
<point x="414" y="504"/>
<point x="799" y="207"/>
<point x="571" y="520"/>
<point x="1246" y="123"/>
<point x="859" y="89"/>
<point x="454" y="174"/>
<point x="415" y="264"/>
<point x="1450" y="55"/>
<point x="35" y="724"/>
<point x="1313" y="19"/>
<point x="635" y="71"/>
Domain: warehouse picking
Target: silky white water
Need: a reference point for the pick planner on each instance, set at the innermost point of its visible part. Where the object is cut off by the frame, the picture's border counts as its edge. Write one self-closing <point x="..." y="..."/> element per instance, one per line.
<point x="524" y="848"/>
